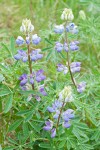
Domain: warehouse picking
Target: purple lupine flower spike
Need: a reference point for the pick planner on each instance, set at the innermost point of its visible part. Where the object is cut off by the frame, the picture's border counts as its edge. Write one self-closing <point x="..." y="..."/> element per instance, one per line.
<point x="53" y="132"/>
<point x="81" y="87"/>
<point x="36" y="39"/>
<point x="20" y="41"/>
<point x="58" y="47"/>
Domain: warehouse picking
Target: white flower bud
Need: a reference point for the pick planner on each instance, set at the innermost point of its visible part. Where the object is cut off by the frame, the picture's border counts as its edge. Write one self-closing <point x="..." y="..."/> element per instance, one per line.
<point x="26" y="26"/>
<point x="67" y="15"/>
<point x="66" y="94"/>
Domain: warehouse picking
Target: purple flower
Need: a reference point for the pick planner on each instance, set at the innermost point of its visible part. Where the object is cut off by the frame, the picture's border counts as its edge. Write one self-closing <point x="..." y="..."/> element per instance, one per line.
<point x="31" y="80"/>
<point x="21" y="55"/>
<point x="59" y="47"/>
<point x="38" y="98"/>
<point x="62" y="68"/>
<point x="68" y="114"/>
<point x="40" y="76"/>
<point x="56" y="105"/>
<point x="72" y="28"/>
<point x="23" y="79"/>
<point x="35" y="55"/>
<point x="56" y="115"/>
<point x="81" y="87"/>
<point x="73" y="46"/>
<point x="66" y="124"/>
<point x="20" y="41"/>
<point x="49" y="125"/>
<point x="42" y="91"/>
<point x="53" y="132"/>
<point x="36" y="39"/>
<point x="27" y="40"/>
<point x="75" y="67"/>
<point x="66" y="47"/>
<point x="59" y="29"/>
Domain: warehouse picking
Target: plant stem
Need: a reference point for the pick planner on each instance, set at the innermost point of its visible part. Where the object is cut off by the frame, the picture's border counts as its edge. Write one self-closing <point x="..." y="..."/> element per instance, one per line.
<point x="30" y="63"/>
<point x="60" y="114"/>
<point x="68" y="59"/>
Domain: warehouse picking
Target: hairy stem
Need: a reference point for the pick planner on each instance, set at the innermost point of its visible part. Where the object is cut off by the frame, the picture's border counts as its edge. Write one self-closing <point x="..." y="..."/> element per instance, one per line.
<point x="68" y="59"/>
<point x="30" y="63"/>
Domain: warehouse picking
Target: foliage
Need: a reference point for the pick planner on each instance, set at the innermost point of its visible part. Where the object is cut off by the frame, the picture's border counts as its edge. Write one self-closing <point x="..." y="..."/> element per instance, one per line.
<point x="22" y="119"/>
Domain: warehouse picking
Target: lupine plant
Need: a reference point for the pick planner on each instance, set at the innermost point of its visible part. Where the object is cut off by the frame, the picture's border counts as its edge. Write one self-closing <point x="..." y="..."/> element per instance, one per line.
<point x="69" y="46"/>
<point x="32" y="55"/>
<point x="46" y="95"/>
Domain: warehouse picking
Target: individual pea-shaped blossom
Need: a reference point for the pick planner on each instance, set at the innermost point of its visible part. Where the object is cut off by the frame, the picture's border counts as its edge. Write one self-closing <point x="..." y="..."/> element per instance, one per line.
<point x="36" y="39"/>
<point x="81" y="86"/>
<point x="42" y="90"/>
<point x="40" y="76"/>
<point x="75" y="67"/>
<point x="35" y="55"/>
<point x="72" y="28"/>
<point x="59" y="29"/>
<point x="58" y="47"/>
<point x="74" y="46"/>
<point x="23" y="79"/>
<point x="62" y="68"/>
<point x="20" y="41"/>
<point x="21" y="55"/>
<point x="67" y="116"/>
<point x="65" y="47"/>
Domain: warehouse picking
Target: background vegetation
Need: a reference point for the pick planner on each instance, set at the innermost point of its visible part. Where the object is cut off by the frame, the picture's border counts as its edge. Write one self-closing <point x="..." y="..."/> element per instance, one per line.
<point x="19" y="129"/>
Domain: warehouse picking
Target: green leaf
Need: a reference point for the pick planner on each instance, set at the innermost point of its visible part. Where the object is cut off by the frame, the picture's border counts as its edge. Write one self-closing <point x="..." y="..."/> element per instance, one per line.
<point x="10" y="148"/>
<point x="23" y="112"/>
<point x="4" y="90"/>
<point x="14" y="125"/>
<point x="61" y="144"/>
<point x="44" y="145"/>
<point x="48" y="41"/>
<point x="8" y="104"/>
<point x="7" y="49"/>
<point x="35" y="126"/>
<point x="29" y="116"/>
